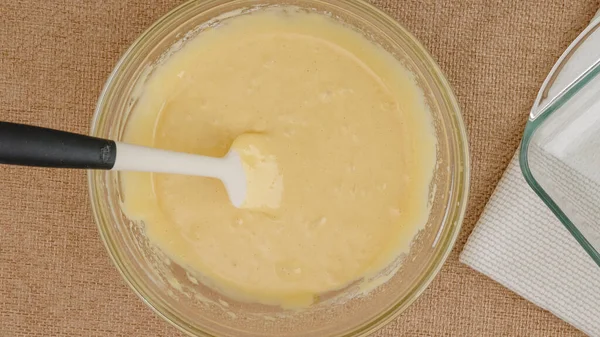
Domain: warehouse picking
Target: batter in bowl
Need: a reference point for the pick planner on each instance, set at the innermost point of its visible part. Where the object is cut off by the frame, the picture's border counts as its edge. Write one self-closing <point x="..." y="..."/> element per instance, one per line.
<point x="344" y="122"/>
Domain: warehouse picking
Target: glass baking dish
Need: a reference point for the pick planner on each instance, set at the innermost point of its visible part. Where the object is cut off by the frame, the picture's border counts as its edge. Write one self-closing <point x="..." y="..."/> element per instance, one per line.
<point x="560" y="151"/>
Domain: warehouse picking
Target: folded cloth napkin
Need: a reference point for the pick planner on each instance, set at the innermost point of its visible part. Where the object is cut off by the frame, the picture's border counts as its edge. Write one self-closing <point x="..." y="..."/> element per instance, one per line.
<point x="521" y="244"/>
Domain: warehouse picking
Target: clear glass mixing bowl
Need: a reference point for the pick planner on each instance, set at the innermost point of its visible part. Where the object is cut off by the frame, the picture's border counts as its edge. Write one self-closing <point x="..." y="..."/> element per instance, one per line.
<point x="198" y="310"/>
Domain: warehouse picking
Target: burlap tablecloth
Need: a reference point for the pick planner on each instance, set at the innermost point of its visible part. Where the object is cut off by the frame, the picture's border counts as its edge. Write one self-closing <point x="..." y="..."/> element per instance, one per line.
<point x="56" y="278"/>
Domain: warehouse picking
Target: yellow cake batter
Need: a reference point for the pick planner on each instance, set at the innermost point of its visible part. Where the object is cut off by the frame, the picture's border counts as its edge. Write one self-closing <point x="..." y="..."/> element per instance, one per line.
<point x="344" y="123"/>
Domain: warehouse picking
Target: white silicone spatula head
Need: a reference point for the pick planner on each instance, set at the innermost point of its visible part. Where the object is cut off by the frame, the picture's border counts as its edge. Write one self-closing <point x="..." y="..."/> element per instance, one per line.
<point x="249" y="171"/>
<point x="229" y="169"/>
<point x="264" y="177"/>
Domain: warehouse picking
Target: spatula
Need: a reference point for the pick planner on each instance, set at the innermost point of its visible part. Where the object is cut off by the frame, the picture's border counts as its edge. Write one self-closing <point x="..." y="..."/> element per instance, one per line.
<point x="36" y="146"/>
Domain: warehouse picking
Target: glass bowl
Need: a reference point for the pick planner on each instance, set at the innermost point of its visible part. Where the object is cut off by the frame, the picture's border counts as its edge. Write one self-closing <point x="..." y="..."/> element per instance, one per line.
<point x="196" y="309"/>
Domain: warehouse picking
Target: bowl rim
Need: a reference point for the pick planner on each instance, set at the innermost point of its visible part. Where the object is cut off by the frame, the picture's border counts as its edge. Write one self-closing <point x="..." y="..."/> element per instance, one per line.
<point x="460" y="183"/>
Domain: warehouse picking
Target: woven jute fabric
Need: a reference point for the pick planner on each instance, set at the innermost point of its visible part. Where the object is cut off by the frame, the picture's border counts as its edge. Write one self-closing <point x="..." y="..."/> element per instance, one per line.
<point x="56" y="278"/>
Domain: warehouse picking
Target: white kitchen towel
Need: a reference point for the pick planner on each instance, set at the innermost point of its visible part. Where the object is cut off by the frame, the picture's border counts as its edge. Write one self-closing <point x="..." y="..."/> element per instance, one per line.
<point x="521" y="244"/>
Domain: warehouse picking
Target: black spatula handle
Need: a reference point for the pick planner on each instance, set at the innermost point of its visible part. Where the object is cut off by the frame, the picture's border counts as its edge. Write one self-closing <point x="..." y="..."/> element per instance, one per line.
<point x="36" y="146"/>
